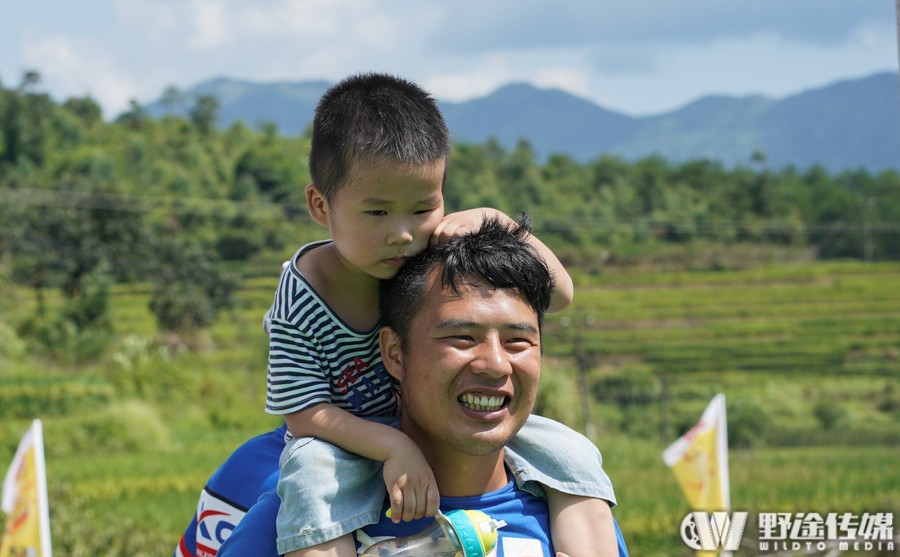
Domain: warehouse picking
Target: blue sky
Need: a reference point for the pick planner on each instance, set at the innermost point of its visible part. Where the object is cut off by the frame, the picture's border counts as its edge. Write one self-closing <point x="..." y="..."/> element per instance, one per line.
<point x="637" y="56"/>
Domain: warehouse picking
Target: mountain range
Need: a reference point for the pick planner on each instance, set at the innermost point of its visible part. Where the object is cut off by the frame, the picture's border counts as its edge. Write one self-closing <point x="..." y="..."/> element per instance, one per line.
<point x="845" y="125"/>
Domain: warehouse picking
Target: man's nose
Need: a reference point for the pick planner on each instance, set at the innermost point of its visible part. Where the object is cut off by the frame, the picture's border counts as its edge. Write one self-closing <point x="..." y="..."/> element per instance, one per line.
<point x="491" y="358"/>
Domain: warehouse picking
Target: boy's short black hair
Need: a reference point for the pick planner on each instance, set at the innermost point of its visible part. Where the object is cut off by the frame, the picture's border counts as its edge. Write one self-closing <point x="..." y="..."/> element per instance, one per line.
<point x="375" y="116"/>
<point x="497" y="254"/>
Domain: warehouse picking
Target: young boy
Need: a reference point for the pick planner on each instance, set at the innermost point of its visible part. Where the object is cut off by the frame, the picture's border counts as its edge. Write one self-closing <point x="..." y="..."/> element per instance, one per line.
<point x="378" y="163"/>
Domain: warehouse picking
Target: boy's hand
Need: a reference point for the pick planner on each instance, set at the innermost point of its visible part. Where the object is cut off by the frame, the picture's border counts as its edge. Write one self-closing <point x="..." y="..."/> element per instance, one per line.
<point x="464" y="222"/>
<point x="410" y="485"/>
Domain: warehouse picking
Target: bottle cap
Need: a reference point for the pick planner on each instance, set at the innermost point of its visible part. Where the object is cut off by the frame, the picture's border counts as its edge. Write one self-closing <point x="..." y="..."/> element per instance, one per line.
<point x="476" y="531"/>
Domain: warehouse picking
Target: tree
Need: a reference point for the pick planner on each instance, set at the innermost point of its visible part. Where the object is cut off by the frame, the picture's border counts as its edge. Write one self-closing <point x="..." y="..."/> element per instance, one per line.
<point x="26" y="123"/>
<point x="30" y="80"/>
<point x="135" y="117"/>
<point x="204" y="113"/>
<point x="172" y="99"/>
<point x="189" y="290"/>
<point x="60" y="246"/>
<point x="86" y="109"/>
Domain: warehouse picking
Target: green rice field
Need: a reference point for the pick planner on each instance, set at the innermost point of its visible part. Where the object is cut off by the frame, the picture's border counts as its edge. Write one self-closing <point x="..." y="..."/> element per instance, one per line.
<point x="808" y="356"/>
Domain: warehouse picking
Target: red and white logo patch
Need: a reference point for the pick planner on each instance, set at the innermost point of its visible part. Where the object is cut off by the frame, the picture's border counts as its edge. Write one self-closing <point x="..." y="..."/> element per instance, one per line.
<point x="216" y="519"/>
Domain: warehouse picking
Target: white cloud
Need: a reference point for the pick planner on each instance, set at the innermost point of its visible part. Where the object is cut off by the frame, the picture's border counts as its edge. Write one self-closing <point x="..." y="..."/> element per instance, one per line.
<point x="150" y="20"/>
<point x="209" y="24"/>
<point x="462" y="80"/>
<point x="576" y="82"/>
<point x="639" y="57"/>
<point x="80" y="68"/>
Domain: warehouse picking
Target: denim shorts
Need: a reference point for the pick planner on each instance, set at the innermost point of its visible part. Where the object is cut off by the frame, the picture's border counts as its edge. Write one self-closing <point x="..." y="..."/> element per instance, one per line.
<point x="327" y="492"/>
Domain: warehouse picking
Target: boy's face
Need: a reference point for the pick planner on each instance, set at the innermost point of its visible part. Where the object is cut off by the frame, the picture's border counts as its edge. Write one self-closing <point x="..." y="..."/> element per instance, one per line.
<point x="384" y="214"/>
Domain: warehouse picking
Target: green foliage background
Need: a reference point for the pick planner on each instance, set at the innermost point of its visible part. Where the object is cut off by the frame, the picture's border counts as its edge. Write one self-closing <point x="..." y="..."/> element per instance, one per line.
<point x="137" y="257"/>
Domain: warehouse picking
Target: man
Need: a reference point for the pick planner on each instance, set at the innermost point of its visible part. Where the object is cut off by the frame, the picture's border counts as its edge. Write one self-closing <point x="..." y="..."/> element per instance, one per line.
<point x="462" y="335"/>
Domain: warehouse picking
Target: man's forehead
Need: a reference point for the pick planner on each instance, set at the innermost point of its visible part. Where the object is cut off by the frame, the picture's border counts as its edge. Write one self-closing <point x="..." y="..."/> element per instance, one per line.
<point x="467" y="287"/>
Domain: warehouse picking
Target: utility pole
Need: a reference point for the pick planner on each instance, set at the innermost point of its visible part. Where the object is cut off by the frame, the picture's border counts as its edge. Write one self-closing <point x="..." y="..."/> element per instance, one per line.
<point x="664" y="435"/>
<point x="868" y="244"/>
<point x="583" y="365"/>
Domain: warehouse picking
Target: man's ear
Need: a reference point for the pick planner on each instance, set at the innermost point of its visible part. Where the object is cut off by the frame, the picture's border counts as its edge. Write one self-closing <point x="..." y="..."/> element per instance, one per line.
<point x="391" y="353"/>
<point x="316" y="204"/>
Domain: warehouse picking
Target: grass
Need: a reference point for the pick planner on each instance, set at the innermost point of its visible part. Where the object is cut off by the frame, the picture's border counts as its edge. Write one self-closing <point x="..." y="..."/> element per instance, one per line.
<point x="808" y="356"/>
<point x="811" y="479"/>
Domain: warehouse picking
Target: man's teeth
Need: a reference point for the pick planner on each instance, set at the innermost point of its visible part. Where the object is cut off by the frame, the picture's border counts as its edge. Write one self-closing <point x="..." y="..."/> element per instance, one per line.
<point x="482" y="402"/>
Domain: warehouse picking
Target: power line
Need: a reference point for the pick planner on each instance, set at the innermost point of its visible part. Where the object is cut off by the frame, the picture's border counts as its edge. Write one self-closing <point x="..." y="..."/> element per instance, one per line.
<point x="204" y="206"/>
<point x="88" y="200"/>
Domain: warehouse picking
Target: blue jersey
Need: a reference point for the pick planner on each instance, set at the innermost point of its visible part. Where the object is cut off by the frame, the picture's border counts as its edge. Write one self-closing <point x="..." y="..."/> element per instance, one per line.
<point x="527" y="531"/>
<point x="251" y="470"/>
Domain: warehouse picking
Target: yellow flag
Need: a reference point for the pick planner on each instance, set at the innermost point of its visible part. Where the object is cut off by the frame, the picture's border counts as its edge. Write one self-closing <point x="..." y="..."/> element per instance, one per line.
<point x="699" y="460"/>
<point x="24" y="500"/>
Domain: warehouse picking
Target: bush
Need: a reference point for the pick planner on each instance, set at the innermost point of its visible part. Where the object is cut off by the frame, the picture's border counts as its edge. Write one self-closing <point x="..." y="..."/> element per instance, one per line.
<point x="79" y="330"/>
<point x="190" y="290"/>
<point x="829" y="414"/>
<point x="129" y="426"/>
<point x="180" y="306"/>
<point x="11" y="346"/>
<point x="78" y="531"/>
<point x="557" y="398"/>
<point x="747" y="423"/>
<point x="634" y="387"/>
<point x="63" y="340"/>
<point x="237" y="246"/>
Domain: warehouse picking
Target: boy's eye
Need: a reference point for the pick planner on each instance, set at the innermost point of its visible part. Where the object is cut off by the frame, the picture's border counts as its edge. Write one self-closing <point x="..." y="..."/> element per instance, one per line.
<point x="424" y="211"/>
<point x="377" y="212"/>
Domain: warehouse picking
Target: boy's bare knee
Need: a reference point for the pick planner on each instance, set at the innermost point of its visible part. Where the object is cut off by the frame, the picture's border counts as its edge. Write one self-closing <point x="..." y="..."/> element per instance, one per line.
<point x="340" y="547"/>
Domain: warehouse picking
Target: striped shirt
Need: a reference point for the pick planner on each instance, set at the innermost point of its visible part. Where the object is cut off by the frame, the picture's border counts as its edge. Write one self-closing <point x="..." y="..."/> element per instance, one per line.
<point x="315" y="357"/>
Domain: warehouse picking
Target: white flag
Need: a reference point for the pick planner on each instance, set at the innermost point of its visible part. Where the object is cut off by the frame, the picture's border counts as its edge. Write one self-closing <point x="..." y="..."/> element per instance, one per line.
<point x="24" y="499"/>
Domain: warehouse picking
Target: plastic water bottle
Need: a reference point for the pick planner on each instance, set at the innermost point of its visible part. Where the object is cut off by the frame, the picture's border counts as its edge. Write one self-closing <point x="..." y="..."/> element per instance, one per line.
<point x="455" y="534"/>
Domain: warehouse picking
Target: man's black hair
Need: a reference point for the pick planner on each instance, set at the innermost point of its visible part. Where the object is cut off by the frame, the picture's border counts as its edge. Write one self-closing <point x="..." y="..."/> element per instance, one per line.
<point x="496" y="254"/>
<point x="373" y="117"/>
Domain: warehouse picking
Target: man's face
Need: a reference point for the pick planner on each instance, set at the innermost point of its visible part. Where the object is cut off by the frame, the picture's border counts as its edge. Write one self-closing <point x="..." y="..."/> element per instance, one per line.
<point x="470" y="370"/>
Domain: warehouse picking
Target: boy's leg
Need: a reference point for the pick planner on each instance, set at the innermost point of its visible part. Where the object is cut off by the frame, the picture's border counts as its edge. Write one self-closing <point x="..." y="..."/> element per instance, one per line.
<point x="326" y="493"/>
<point x="341" y="547"/>
<point x="548" y="454"/>
<point x="552" y="460"/>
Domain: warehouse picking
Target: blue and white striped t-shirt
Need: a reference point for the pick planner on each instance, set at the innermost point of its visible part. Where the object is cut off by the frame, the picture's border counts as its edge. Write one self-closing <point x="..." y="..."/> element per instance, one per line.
<point x="315" y="357"/>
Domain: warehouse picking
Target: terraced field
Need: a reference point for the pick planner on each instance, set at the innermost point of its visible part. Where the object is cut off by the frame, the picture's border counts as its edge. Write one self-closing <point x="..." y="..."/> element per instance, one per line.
<point x="807" y="355"/>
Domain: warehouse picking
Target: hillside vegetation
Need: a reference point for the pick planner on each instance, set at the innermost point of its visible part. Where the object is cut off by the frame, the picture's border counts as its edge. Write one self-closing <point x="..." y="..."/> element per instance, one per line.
<point x="137" y="257"/>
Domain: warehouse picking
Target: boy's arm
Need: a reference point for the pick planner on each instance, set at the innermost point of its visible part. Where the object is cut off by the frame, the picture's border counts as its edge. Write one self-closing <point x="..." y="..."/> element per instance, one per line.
<point x="463" y="222"/>
<point x="407" y="475"/>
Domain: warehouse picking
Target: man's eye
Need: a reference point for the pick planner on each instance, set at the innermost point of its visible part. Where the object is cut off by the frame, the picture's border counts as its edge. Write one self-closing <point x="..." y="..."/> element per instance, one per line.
<point x="521" y="341"/>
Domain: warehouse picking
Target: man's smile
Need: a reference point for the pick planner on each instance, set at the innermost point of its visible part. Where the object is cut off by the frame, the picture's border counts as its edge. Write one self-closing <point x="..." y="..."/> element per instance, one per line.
<point x="483" y="402"/>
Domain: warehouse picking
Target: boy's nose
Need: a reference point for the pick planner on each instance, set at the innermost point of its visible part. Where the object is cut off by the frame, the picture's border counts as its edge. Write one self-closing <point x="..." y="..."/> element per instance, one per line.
<point x="401" y="234"/>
